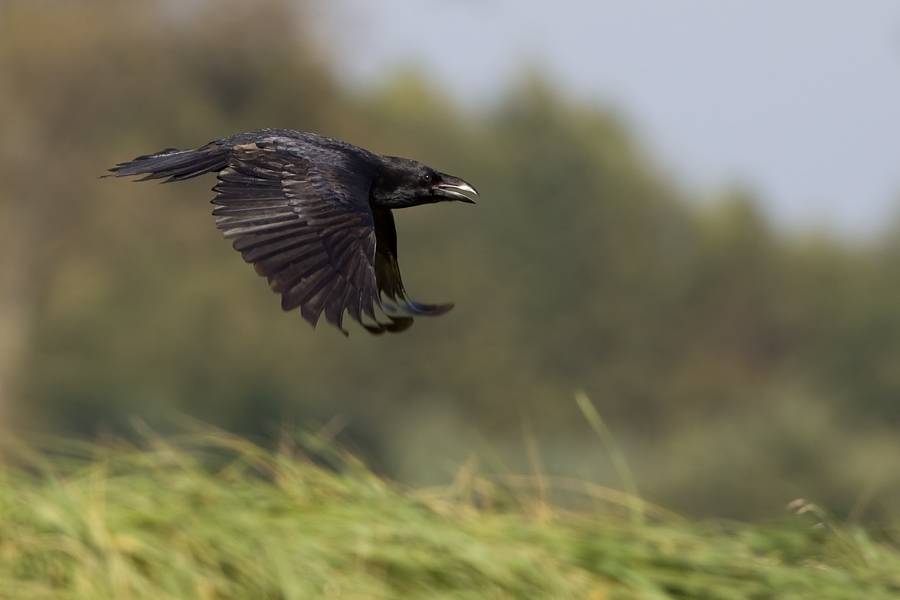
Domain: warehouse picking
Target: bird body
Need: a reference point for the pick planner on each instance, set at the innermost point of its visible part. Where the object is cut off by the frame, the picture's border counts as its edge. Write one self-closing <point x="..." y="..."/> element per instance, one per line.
<point x="313" y="215"/>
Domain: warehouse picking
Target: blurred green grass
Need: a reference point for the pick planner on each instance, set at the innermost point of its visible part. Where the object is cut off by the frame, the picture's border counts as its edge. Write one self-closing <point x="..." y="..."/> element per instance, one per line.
<point x="211" y="515"/>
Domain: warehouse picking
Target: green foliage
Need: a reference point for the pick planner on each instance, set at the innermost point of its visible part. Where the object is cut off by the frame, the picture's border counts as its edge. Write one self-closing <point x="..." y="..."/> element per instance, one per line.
<point x="213" y="516"/>
<point x="582" y="267"/>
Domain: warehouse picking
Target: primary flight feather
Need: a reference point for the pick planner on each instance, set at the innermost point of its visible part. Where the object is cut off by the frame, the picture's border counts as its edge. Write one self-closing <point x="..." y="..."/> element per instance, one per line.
<point x="313" y="216"/>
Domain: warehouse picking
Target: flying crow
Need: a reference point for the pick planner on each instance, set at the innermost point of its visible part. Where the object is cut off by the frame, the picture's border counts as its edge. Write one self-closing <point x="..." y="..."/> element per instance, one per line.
<point x="313" y="215"/>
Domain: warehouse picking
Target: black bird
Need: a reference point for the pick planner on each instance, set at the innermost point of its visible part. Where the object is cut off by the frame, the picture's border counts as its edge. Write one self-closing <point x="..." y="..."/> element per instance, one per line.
<point x="313" y="215"/>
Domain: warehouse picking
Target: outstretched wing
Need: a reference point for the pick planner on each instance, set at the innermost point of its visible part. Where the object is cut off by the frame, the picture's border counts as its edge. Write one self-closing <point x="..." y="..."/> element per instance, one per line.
<point x="305" y="224"/>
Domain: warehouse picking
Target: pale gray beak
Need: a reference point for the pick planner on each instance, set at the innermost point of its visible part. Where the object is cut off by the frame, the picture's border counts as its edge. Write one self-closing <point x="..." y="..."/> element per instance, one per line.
<point x="451" y="188"/>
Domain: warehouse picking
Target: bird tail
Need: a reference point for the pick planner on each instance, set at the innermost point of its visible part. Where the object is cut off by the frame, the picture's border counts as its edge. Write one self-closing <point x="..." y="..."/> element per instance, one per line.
<point x="173" y="164"/>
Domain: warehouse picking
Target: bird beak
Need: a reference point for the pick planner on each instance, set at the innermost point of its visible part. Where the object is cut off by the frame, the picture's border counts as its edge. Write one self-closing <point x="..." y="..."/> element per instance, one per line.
<point x="451" y="188"/>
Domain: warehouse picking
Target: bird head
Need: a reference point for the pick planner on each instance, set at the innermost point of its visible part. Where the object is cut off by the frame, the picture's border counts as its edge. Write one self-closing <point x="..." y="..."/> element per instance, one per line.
<point x="403" y="182"/>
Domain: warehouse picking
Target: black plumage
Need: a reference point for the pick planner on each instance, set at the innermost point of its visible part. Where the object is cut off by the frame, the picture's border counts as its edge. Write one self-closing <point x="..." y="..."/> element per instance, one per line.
<point x="313" y="216"/>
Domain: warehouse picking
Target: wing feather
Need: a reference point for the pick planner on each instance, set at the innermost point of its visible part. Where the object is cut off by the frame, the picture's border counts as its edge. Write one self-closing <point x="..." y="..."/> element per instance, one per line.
<point x="387" y="272"/>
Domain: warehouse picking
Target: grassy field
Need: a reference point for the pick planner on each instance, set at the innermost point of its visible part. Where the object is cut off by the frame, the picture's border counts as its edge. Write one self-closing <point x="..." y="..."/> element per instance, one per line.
<point x="216" y="517"/>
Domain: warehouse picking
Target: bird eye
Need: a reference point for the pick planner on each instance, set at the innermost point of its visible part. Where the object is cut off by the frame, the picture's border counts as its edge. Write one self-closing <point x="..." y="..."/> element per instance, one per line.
<point x="427" y="178"/>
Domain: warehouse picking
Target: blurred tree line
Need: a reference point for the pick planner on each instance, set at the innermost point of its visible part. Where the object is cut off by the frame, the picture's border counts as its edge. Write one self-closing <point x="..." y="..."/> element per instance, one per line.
<point x="583" y="267"/>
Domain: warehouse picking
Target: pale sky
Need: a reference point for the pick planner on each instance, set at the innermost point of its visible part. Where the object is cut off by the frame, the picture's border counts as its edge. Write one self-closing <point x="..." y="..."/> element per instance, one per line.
<point x="799" y="99"/>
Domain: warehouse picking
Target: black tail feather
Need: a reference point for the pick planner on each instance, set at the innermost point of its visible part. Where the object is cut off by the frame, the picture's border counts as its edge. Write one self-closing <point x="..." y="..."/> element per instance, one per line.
<point x="173" y="164"/>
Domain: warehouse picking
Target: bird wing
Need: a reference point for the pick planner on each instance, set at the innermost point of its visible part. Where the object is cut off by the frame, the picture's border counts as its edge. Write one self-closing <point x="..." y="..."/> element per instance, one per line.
<point x="387" y="272"/>
<point x="305" y="223"/>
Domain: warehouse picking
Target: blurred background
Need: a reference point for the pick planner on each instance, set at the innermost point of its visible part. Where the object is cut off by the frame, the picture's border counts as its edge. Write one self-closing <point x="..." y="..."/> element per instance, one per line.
<point x="688" y="213"/>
